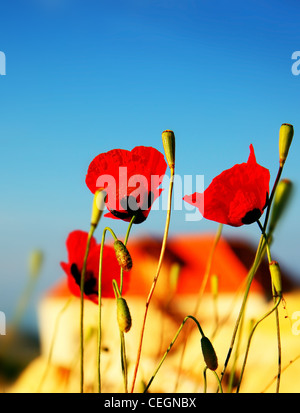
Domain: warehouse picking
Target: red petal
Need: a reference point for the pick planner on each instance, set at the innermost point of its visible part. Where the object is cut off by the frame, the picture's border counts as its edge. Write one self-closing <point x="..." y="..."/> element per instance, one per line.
<point x="137" y="172"/>
<point x="76" y="244"/>
<point x="235" y="192"/>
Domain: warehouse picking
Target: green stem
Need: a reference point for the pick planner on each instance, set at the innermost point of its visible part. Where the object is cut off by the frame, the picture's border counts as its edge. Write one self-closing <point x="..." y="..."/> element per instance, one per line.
<point x="205" y="380"/>
<point x="128" y="229"/>
<point x="259" y="254"/>
<point x="233" y="369"/>
<point x="279" y="347"/>
<point x="124" y="362"/>
<point x="122" y="340"/>
<point x="90" y="235"/>
<point x="171" y="345"/>
<point x="162" y="252"/>
<point x="208" y="266"/>
<point x="122" y="336"/>
<point x="125" y="242"/>
<point x="286" y="367"/>
<point x="201" y="291"/>
<point x="219" y="382"/>
<point x="100" y="303"/>
<point x="272" y="196"/>
<point x="276" y="306"/>
<point x="250" y="338"/>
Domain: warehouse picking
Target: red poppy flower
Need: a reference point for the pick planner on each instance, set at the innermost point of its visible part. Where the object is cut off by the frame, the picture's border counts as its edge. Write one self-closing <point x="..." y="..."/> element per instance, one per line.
<point x="76" y="245"/>
<point x="237" y="196"/>
<point x="131" y="180"/>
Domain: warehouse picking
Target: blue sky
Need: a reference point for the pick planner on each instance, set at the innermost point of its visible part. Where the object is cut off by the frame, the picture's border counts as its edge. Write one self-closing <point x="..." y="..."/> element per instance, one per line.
<point x="84" y="77"/>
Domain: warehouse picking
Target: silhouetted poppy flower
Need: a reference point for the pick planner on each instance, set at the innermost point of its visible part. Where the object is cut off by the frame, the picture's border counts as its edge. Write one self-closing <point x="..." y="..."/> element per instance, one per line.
<point x="131" y="180"/>
<point x="237" y="196"/>
<point x="76" y="245"/>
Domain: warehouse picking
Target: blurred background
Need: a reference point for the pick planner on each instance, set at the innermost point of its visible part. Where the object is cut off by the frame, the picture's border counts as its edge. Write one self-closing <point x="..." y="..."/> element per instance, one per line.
<point x="84" y="77"/>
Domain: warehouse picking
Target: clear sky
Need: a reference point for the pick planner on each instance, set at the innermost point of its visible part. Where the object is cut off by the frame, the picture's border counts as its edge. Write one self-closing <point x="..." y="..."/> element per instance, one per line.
<point x="84" y="77"/>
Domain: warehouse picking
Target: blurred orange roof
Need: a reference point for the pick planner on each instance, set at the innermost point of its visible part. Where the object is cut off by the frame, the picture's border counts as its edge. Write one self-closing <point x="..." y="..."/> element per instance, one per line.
<point x="191" y="252"/>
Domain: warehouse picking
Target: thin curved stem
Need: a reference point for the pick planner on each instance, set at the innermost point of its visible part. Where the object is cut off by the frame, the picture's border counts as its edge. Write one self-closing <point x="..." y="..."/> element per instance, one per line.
<point x="201" y="291"/>
<point x="279" y="348"/>
<point x="285" y="367"/>
<point x="219" y="382"/>
<point x="100" y="302"/>
<point x="125" y="243"/>
<point x="90" y="235"/>
<point x="163" y="247"/>
<point x="250" y="338"/>
<point x="271" y="197"/>
<point x="259" y="254"/>
<point x="276" y="307"/>
<point x="171" y="345"/>
<point x="205" y="380"/>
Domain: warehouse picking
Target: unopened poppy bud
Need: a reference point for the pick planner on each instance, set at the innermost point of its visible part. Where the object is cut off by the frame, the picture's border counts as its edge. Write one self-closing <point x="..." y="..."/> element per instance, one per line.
<point x="123" y="315"/>
<point x="98" y="206"/>
<point x="286" y="133"/>
<point x="209" y="353"/>
<point x="36" y="259"/>
<point x="168" y="139"/>
<point x="281" y="199"/>
<point x="276" y="276"/>
<point x="123" y="256"/>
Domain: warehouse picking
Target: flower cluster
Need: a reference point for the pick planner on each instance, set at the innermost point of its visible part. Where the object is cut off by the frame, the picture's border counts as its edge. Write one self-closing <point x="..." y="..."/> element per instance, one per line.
<point x="127" y="184"/>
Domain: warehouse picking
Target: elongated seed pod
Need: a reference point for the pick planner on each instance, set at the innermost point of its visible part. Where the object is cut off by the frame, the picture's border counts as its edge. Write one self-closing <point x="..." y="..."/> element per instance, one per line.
<point x="276" y="276"/>
<point x="209" y="353"/>
<point x="123" y="315"/>
<point x="286" y="133"/>
<point x="98" y="206"/>
<point x="122" y="255"/>
<point x="168" y="139"/>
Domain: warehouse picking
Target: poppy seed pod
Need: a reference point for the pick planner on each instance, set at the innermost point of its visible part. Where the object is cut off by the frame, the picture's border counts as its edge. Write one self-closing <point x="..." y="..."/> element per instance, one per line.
<point x="123" y="315"/>
<point x="209" y="353"/>
<point x="76" y="246"/>
<point x="286" y="133"/>
<point x="276" y="276"/>
<point x="281" y="199"/>
<point x="122" y="255"/>
<point x="168" y="139"/>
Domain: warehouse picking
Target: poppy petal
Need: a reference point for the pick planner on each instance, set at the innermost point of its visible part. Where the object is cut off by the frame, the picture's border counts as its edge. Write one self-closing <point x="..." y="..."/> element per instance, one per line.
<point x="76" y="245"/>
<point x="237" y="196"/>
<point x="129" y="176"/>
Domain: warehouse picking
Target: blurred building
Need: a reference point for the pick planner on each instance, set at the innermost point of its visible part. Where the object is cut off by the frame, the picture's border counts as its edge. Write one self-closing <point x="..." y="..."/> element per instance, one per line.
<point x="181" y="290"/>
